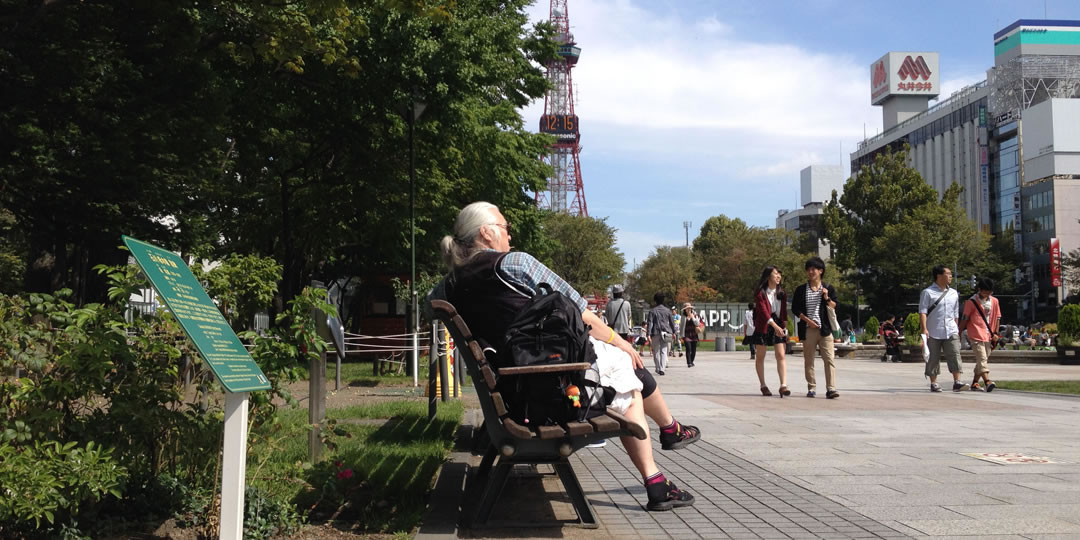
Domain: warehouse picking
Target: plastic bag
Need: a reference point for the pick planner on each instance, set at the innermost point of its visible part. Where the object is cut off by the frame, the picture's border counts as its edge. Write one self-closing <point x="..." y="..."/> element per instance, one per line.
<point x="925" y="349"/>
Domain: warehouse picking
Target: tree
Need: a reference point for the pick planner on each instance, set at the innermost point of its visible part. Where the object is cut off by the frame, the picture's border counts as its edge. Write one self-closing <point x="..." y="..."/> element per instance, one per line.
<point x="243" y="285"/>
<point x="666" y="270"/>
<point x="733" y="254"/>
<point x="1070" y="270"/>
<point x="889" y="229"/>
<point x="274" y="129"/>
<point x="583" y="252"/>
<point x="320" y="173"/>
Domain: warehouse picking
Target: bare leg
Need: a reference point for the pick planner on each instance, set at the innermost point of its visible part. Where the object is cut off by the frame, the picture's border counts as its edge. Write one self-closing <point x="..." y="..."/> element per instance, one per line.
<point x="759" y="363"/>
<point x="657" y="409"/>
<point x="781" y="363"/>
<point x="640" y="451"/>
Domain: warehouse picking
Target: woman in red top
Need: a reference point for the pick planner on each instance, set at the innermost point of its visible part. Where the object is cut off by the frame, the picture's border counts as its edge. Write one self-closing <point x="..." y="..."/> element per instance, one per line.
<point x="770" y="326"/>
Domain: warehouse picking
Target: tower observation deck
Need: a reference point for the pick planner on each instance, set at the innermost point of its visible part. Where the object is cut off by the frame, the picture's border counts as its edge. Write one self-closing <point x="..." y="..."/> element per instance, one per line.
<point x="565" y="192"/>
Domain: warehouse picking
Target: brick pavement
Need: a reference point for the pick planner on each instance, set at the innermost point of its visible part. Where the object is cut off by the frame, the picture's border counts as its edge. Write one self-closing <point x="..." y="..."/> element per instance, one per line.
<point x="882" y="461"/>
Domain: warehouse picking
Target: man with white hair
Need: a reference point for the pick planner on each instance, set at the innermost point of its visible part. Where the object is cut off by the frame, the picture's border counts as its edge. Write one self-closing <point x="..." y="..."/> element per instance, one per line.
<point x="489" y="285"/>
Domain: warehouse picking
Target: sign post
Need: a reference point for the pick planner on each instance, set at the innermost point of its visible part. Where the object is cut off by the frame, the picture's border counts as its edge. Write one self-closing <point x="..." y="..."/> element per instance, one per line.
<point x="226" y="356"/>
<point x="234" y="465"/>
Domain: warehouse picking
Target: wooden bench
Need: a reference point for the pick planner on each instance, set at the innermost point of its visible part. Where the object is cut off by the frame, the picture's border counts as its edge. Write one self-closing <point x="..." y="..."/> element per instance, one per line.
<point x="506" y="443"/>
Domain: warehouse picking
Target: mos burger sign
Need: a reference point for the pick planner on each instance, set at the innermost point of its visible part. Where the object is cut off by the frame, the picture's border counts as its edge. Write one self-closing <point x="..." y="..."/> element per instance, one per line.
<point x="904" y="73"/>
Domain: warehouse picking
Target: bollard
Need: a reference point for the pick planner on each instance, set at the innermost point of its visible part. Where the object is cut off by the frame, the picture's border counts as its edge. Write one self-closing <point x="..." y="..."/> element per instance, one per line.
<point x="444" y="382"/>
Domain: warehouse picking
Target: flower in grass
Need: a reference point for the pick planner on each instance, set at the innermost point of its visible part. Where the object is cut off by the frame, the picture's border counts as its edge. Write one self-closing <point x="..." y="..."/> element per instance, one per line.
<point x="337" y="464"/>
<point x="344" y="474"/>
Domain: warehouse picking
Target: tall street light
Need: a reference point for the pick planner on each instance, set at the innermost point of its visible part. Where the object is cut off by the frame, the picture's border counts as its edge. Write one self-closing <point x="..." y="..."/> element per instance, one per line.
<point x="415" y="110"/>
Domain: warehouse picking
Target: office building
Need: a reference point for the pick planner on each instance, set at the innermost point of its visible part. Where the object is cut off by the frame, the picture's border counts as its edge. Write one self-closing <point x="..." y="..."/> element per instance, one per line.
<point x="1011" y="141"/>
<point x="816" y="182"/>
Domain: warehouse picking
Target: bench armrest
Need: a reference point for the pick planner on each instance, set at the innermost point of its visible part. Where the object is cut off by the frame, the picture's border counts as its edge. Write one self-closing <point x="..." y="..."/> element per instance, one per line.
<point x="547" y="368"/>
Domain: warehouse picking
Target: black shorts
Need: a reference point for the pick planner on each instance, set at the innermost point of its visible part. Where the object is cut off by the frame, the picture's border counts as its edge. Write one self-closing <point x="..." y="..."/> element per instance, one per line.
<point x="768" y="339"/>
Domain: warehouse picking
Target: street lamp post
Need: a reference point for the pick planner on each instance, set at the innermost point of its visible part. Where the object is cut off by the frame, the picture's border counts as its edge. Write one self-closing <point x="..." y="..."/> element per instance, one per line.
<point x="416" y="108"/>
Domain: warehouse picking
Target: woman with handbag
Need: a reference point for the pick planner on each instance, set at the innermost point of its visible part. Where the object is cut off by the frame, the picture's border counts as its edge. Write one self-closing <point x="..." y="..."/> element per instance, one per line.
<point x="690" y="332"/>
<point x="770" y="328"/>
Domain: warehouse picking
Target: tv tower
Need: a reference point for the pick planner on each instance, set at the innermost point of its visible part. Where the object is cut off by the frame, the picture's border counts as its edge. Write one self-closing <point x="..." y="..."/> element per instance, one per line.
<point x="565" y="191"/>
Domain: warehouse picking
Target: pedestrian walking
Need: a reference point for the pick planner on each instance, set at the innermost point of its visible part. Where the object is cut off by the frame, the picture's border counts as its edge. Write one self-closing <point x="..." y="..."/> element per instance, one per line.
<point x="661" y="328"/>
<point x="691" y="321"/>
<point x="618" y="312"/>
<point x="982" y="315"/>
<point x="809" y="305"/>
<point x="770" y="326"/>
<point x="939" y="314"/>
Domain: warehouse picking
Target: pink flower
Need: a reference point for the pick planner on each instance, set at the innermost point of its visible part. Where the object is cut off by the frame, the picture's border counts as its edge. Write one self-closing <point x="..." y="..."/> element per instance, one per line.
<point x="345" y="474"/>
<point x="337" y="464"/>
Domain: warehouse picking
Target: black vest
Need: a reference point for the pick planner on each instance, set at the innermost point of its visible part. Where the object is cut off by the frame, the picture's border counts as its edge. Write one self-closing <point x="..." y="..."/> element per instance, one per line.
<point x="486" y="301"/>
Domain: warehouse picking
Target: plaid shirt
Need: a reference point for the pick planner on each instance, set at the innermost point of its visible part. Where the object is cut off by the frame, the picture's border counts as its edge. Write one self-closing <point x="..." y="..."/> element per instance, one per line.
<point x="524" y="272"/>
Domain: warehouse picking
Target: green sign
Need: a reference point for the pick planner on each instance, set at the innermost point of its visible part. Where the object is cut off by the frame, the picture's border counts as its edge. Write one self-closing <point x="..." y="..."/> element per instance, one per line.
<point x="199" y="317"/>
<point x="982" y="115"/>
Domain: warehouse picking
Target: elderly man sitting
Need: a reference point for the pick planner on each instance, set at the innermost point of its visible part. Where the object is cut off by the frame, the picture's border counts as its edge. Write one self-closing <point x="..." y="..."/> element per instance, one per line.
<point x="489" y="285"/>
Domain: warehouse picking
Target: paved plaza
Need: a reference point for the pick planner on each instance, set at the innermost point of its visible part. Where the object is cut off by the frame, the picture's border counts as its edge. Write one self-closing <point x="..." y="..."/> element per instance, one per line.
<point x="886" y="459"/>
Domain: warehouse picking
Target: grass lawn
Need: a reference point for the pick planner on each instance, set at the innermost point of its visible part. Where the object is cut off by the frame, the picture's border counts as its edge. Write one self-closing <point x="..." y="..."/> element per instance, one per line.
<point x="376" y="479"/>
<point x="1057" y="387"/>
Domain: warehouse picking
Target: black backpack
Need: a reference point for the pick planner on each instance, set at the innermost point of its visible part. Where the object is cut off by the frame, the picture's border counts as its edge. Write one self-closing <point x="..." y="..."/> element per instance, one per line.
<point x="549" y="330"/>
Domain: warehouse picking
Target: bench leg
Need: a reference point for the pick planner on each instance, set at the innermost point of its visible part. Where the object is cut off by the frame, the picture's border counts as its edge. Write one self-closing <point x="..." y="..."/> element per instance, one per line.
<point x="491" y="492"/>
<point x="577" y="495"/>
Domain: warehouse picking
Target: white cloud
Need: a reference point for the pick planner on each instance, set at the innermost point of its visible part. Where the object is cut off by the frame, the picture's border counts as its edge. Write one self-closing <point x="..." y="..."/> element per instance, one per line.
<point x="641" y="70"/>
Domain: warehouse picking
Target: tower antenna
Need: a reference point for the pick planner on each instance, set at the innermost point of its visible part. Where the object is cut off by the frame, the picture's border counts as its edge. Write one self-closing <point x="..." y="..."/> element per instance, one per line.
<point x="565" y="191"/>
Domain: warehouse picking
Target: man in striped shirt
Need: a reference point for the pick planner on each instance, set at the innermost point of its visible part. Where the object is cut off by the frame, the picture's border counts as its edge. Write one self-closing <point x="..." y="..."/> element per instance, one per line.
<point x="810" y="303"/>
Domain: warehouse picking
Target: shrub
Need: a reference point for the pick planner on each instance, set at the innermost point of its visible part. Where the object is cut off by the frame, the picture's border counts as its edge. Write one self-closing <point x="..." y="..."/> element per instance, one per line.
<point x="52" y="482"/>
<point x="911" y="329"/>
<point x="1069" y="324"/>
<point x="872" y="325"/>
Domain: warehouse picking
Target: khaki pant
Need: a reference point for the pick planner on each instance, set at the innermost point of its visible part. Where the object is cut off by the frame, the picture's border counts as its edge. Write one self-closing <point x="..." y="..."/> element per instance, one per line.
<point x="982" y="356"/>
<point x="950" y="349"/>
<point x="815" y="343"/>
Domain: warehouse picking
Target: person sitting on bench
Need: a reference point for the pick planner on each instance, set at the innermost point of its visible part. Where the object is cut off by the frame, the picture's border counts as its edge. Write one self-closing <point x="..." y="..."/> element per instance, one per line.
<point x="488" y="285"/>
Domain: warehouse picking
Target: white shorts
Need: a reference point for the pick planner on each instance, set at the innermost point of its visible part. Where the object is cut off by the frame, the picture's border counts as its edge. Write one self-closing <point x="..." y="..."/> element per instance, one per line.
<point x="616" y="371"/>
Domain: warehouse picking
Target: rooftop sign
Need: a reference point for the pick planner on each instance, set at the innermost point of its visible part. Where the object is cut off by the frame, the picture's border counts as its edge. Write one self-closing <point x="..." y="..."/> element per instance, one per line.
<point x="904" y="73"/>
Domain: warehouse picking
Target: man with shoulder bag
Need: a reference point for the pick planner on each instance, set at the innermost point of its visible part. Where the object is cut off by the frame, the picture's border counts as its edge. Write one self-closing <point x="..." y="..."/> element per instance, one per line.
<point x="810" y="304"/>
<point x="661" y="327"/>
<point x="982" y="314"/>
<point x="618" y="312"/>
<point x="939" y="314"/>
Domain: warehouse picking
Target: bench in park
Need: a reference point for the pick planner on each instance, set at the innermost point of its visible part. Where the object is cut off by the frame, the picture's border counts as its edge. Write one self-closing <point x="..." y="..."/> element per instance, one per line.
<point x="507" y="443"/>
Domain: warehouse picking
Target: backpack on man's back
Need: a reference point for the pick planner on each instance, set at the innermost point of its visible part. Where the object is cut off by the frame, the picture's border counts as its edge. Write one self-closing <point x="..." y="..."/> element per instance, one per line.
<point x="549" y="330"/>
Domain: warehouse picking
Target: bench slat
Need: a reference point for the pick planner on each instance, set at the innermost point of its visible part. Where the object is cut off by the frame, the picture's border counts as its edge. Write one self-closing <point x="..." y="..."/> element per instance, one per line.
<point x="500" y="406"/>
<point x="579" y="428"/>
<point x="604" y="424"/>
<point x="516" y="430"/>
<point x="489" y="376"/>
<point x="633" y="427"/>
<point x="551" y="432"/>
<point x="548" y="368"/>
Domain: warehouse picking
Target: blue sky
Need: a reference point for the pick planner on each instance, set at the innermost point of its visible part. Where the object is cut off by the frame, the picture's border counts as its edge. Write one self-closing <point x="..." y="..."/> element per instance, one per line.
<point x="691" y="109"/>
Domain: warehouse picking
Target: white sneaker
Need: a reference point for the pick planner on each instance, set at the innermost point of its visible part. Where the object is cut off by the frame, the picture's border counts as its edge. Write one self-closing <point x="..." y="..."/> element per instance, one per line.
<point x="598" y="444"/>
